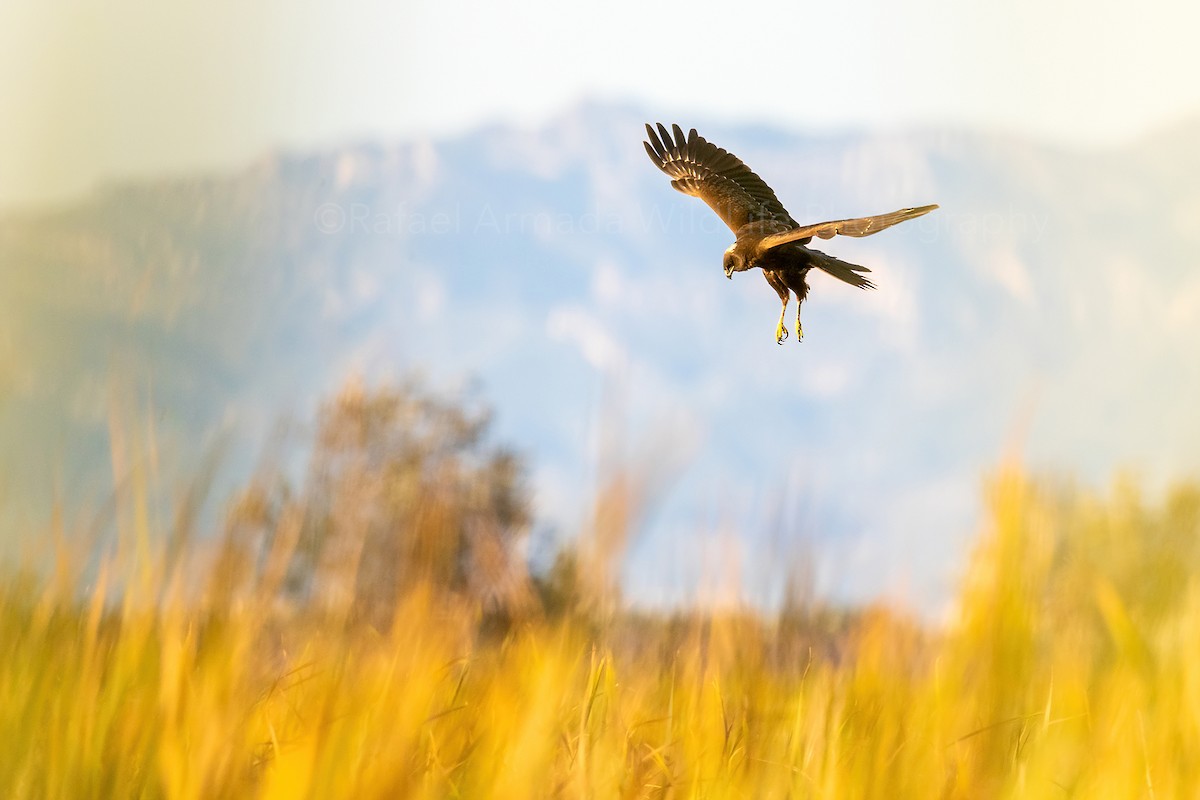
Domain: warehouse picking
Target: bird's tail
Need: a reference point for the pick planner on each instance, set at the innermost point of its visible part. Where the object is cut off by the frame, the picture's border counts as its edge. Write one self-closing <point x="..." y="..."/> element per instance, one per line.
<point x="842" y="270"/>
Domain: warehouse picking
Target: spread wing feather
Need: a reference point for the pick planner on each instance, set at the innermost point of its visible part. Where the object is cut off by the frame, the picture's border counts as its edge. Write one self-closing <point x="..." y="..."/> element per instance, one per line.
<point x="861" y="226"/>
<point x="718" y="177"/>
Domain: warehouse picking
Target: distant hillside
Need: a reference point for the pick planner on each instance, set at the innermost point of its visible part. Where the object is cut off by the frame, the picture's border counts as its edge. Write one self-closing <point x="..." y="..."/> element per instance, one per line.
<point x="1052" y="305"/>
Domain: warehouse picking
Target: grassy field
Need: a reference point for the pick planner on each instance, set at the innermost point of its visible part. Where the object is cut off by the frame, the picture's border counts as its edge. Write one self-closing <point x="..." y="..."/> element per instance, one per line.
<point x="1071" y="670"/>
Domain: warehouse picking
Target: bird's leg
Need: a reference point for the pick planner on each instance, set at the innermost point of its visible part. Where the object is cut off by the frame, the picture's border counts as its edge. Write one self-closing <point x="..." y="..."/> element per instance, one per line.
<point x="799" y="327"/>
<point x="785" y="294"/>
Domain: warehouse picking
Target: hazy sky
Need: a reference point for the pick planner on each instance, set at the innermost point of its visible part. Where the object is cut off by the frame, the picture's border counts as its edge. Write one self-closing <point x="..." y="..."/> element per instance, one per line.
<point x="90" y="89"/>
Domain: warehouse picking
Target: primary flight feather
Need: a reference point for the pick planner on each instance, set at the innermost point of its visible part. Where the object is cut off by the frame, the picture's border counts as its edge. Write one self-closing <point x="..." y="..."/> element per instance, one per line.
<point x="766" y="235"/>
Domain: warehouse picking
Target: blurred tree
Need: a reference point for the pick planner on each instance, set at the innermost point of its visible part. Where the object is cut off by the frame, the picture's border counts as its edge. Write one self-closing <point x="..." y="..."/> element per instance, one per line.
<point x="403" y="492"/>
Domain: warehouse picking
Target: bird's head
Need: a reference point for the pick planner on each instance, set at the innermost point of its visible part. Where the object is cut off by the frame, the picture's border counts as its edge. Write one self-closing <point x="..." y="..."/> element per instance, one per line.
<point x="734" y="262"/>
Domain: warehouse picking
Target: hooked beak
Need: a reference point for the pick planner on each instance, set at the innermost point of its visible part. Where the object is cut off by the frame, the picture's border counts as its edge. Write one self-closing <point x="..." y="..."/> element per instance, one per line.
<point x="729" y="273"/>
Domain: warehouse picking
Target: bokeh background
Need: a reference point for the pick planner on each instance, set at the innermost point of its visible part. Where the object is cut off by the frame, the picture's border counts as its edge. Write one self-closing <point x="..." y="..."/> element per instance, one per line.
<point x="212" y="216"/>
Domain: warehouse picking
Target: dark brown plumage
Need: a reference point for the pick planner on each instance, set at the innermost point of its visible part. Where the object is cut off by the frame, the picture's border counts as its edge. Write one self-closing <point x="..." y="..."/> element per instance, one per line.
<point x="767" y="236"/>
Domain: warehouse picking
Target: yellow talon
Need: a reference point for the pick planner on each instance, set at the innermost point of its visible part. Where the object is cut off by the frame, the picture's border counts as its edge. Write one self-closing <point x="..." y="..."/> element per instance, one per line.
<point x="799" y="332"/>
<point x="780" y="333"/>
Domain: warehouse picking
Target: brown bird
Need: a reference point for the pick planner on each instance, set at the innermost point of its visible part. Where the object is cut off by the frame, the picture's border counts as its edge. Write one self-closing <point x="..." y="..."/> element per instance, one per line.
<point x="767" y="236"/>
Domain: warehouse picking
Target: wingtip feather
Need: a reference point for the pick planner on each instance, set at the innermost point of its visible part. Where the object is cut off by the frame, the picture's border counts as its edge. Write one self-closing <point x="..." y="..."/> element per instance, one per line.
<point x="655" y="157"/>
<point x="664" y="134"/>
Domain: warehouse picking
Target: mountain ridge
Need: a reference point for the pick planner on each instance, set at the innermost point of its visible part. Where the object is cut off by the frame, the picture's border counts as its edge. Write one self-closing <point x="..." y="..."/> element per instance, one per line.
<point x="559" y="258"/>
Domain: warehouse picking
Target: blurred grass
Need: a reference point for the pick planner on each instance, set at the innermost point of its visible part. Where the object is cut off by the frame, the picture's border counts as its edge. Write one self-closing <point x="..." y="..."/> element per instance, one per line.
<point x="180" y="668"/>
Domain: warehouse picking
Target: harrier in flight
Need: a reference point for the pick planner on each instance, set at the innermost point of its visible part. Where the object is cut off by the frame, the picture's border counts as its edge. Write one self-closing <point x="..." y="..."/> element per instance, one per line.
<point x="767" y="236"/>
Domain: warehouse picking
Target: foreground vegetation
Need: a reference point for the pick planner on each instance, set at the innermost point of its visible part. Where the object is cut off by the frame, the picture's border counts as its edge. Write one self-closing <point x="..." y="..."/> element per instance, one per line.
<point x="268" y="667"/>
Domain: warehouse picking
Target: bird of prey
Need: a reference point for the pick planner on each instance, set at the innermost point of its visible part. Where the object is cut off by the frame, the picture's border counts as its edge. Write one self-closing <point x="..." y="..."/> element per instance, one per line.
<point x="767" y="236"/>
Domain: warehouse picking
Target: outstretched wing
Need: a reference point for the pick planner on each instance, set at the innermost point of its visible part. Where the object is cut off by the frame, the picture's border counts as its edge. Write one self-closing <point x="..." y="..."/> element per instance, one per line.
<point x="718" y="177"/>
<point x="862" y="226"/>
